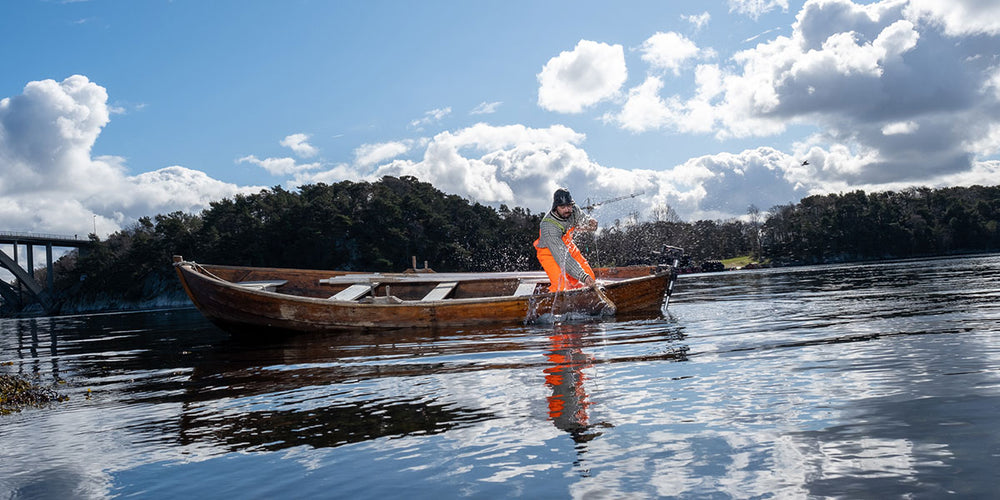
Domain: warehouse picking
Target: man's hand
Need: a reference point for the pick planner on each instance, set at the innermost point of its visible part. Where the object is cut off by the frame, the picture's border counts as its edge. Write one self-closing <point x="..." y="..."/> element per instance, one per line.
<point x="591" y="225"/>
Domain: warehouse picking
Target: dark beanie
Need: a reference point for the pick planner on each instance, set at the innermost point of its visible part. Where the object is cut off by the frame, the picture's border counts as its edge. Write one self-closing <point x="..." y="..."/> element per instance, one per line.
<point x="561" y="197"/>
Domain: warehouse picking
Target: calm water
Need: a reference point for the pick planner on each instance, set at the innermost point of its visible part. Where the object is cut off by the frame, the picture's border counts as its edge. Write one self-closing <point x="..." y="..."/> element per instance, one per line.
<point x="853" y="381"/>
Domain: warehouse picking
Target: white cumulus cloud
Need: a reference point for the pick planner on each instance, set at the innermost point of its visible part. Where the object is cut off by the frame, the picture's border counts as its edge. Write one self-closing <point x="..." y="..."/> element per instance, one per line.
<point x="370" y="154"/>
<point x="50" y="181"/>
<point x="898" y="96"/>
<point x="668" y="51"/>
<point x="299" y="143"/>
<point x="574" y="80"/>
<point x="522" y="166"/>
<point x="959" y="17"/>
<point x="279" y="166"/>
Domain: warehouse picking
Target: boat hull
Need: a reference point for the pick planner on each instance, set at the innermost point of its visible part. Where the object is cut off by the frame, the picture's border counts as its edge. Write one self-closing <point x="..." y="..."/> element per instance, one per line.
<point x="219" y="292"/>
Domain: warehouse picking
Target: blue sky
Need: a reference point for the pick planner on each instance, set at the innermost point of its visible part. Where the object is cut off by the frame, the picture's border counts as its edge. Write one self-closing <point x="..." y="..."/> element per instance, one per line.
<point x="124" y="109"/>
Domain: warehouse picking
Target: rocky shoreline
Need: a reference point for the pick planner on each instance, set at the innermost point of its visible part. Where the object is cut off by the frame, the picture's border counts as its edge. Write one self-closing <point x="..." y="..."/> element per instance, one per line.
<point x="158" y="292"/>
<point x="18" y="393"/>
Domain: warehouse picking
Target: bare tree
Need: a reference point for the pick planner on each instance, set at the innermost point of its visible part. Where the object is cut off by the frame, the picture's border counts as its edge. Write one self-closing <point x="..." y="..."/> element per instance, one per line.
<point x="666" y="213"/>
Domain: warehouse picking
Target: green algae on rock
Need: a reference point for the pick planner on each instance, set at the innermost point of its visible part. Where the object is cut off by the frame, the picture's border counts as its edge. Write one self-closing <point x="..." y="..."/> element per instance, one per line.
<point x="17" y="393"/>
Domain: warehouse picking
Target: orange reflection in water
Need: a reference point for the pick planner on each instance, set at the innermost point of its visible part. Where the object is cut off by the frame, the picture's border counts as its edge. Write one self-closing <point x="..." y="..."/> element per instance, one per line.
<point x="569" y="401"/>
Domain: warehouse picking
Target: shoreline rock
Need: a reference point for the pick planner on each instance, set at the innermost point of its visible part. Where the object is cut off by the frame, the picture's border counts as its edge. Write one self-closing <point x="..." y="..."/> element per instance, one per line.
<point x="18" y="393"/>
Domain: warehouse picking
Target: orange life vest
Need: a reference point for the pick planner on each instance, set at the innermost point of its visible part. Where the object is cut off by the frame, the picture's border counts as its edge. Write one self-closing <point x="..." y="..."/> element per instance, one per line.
<point x="557" y="277"/>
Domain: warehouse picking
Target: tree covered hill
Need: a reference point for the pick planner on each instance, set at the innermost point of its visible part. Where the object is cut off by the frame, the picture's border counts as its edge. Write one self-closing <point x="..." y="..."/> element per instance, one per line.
<point x="379" y="226"/>
<point x="911" y="223"/>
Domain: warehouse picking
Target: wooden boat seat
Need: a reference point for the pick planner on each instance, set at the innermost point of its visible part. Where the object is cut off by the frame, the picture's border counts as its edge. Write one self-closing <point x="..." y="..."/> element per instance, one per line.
<point x="428" y="278"/>
<point x="525" y="288"/>
<point x="354" y="292"/>
<point x="440" y="291"/>
<point x="382" y="299"/>
<point x="267" y="286"/>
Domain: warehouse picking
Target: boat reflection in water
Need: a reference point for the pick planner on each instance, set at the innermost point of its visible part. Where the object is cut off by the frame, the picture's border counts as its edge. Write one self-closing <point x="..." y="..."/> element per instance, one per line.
<point x="324" y="391"/>
<point x="327" y="390"/>
<point x="202" y="389"/>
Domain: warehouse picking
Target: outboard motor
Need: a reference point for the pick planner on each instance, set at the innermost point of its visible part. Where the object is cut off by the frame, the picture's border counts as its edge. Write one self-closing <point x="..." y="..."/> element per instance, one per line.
<point x="670" y="257"/>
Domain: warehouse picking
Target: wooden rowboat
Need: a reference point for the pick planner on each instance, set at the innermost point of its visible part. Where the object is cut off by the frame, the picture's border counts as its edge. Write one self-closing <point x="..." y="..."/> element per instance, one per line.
<point x="247" y="299"/>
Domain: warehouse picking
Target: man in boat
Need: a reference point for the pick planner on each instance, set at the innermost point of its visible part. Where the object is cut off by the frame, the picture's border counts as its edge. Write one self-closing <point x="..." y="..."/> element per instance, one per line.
<point x="563" y="263"/>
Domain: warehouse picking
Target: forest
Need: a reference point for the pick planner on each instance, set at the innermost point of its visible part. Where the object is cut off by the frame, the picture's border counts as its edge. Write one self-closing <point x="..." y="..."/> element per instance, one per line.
<point x="380" y="226"/>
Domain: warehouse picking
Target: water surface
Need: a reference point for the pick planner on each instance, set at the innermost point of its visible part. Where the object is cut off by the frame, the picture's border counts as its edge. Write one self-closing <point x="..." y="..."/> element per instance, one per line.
<point x="853" y="381"/>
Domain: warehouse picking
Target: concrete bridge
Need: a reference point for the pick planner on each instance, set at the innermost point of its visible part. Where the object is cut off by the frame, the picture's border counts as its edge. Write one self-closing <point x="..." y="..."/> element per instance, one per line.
<point x="27" y="289"/>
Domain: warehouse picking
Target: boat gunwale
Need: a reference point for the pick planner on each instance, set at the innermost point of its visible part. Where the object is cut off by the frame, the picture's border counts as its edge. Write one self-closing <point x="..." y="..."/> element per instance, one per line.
<point x="235" y="287"/>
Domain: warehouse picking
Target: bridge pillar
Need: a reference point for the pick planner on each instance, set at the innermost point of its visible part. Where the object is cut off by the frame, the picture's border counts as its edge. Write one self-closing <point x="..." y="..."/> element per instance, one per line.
<point x="30" y="252"/>
<point x="17" y="282"/>
<point x="48" y="267"/>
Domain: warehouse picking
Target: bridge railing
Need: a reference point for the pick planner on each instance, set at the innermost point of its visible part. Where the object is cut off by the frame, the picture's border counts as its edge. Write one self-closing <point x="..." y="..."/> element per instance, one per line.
<point x="19" y="234"/>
